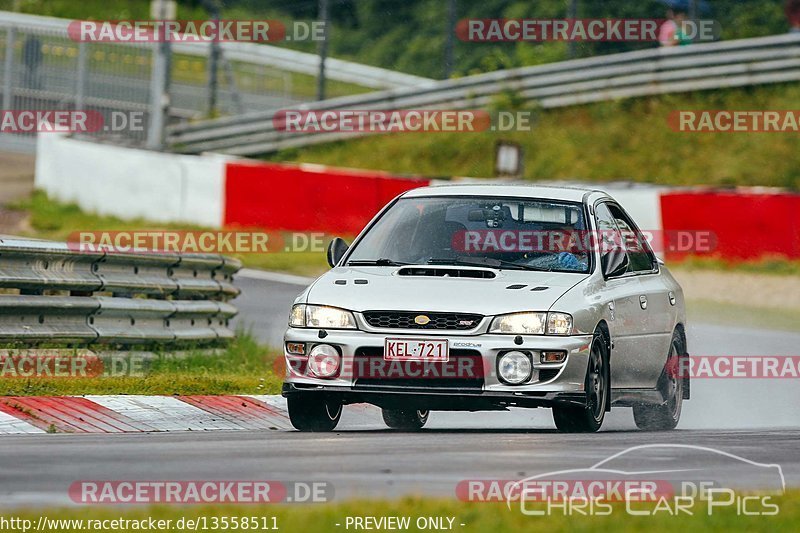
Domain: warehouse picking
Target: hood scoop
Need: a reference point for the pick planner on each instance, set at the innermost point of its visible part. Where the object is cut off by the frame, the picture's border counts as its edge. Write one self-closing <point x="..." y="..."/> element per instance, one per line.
<point x="476" y="273"/>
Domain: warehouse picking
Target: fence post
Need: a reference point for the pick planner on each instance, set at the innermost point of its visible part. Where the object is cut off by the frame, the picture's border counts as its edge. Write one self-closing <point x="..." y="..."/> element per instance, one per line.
<point x="159" y="95"/>
<point x="8" y="86"/>
<point x="80" y="90"/>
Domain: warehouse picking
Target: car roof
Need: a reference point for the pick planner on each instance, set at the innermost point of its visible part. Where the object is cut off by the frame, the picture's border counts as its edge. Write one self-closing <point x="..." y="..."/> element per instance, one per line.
<point x="565" y="193"/>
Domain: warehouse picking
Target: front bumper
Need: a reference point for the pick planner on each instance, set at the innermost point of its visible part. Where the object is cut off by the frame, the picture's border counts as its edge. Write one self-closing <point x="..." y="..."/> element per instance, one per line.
<point x="550" y="384"/>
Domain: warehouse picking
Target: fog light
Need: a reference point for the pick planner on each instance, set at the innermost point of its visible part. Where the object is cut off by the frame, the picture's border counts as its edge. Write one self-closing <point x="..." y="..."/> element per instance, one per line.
<point x="296" y="348"/>
<point x="324" y="361"/>
<point x="514" y="367"/>
<point x="553" y="357"/>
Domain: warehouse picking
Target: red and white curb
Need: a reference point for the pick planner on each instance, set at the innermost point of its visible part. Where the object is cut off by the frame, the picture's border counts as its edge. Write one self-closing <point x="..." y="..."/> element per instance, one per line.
<point x="125" y="414"/>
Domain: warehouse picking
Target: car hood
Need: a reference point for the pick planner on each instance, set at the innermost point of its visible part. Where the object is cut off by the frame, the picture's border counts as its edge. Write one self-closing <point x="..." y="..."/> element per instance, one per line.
<point x="384" y="288"/>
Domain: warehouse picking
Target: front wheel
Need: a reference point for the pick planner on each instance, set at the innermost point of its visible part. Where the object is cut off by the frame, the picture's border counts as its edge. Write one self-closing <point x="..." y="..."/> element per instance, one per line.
<point x="314" y="413"/>
<point x="405" y="419"/>
<point x="665" y="416"/>
<point x="589" y="418"/>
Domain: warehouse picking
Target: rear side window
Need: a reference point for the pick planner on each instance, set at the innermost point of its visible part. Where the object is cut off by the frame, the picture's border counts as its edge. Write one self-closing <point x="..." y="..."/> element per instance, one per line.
<point x="606" y="229"/>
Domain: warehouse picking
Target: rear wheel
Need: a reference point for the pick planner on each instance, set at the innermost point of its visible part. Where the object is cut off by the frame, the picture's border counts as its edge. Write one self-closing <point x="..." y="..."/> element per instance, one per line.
<point x="314" y="413"/>
<point x="665" y="416"/>
<point x="589" y="418"/>
<point x="405" y="419"/>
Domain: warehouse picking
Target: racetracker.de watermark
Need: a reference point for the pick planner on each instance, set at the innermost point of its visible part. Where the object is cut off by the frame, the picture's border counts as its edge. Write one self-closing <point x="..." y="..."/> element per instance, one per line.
<point x="200" y="241"/>
<point x="578" y="30"/>
<point x="69" y="121"/>
<point x="644" y="480"/>
<point x="62" y="364"/>
<point x="116" y="492"/>
<point x="734" y="121"/>
<point x="556" y="241"/>
<point x="736" y="367"/>
<point x="194" y="31"/>
<point x="401" y="121"/>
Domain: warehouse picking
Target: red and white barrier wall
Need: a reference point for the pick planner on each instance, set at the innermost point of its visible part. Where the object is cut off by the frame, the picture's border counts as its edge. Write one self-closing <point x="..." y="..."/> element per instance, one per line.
<point x="211" y="190"/>
<point x="307" y="197"/>
<point x="217" y="191"/>
<point x="746" y="224"/>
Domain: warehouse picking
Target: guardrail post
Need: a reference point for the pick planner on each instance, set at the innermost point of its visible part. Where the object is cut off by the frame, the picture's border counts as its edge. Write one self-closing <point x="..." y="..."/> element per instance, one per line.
<point x="8" y="72"/>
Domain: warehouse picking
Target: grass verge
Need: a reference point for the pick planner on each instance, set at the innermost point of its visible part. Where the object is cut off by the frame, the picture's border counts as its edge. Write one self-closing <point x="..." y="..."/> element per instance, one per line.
<point x="474" y="516"/>
<point x="56" y="221"/>
<point x="244" y="367"/>
<point x="777" y="266"/>
<point x="726" y="314"/>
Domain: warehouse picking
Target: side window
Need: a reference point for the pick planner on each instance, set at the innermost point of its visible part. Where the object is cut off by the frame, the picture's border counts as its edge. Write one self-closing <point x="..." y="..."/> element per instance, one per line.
<point x="641" y="257"/>
<point x="607" y="229"/>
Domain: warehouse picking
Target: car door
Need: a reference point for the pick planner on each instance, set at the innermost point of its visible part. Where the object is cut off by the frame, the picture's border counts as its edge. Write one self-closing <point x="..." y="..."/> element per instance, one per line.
<point x="652" y="318"/>
<point x="620" y="295"/>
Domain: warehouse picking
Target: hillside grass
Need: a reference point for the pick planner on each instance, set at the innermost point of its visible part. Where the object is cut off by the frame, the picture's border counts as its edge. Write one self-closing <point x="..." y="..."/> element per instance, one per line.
<point x="619" y="140"/>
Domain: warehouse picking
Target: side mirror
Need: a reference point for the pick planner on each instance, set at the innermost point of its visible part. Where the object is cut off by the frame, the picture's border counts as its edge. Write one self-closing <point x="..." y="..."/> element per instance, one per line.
<point x="336" y="250"/>
<point x="614" y="263"/>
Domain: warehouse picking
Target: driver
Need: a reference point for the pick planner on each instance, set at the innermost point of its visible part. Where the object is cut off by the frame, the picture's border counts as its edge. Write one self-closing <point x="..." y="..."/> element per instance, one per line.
<point x="562" y="251"/>
<point x="567" y="246"/>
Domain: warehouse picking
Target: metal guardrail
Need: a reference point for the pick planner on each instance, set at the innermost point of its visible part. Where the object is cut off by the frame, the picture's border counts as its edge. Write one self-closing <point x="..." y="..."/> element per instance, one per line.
<point x="717" y="65"/>
<point x="53" y="293"/>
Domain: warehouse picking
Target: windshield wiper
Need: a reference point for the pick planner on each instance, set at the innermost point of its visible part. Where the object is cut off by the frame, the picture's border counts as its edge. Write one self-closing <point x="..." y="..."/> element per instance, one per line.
<point x="376" y="262"/>
<point x="485" y="262"/>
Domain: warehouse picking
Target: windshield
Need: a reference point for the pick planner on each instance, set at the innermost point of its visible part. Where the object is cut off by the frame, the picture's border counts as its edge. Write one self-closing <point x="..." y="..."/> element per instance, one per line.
<point x="497" y="232"/>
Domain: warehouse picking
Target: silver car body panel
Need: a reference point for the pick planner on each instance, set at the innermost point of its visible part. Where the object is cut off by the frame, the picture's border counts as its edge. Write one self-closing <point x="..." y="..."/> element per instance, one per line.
<point x="640" y="337"/>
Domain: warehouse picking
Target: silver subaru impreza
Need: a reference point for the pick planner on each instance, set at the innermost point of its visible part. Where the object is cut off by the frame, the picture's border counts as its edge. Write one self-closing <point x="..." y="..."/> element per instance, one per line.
<point x="485" y="297"/>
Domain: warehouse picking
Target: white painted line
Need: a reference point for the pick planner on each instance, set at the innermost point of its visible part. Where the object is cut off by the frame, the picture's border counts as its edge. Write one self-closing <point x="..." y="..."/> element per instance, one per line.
<point x="279" y="277"/>
<point x="165" y="413"/>
<point x="10" y="424"/>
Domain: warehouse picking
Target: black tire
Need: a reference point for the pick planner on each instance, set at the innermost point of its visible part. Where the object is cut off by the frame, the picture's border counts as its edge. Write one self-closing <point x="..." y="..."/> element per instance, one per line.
<point x="314" y="413"/>
<point x="589" y="418"/>
<point x="667" y="415"/>
<point x="405" y="419"/>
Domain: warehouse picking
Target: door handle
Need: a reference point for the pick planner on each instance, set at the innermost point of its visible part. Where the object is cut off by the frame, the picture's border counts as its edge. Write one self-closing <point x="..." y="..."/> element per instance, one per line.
<point x="643" y="301"/>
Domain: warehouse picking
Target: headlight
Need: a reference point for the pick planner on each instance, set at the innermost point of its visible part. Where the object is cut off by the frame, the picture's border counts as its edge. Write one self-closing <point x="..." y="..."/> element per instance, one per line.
<point x="514" y="368"/>
<point x="519" y="324"/>
<point x="321" y="316"/>
<point x="324" y="361"/>
<point x="532" y="324"/>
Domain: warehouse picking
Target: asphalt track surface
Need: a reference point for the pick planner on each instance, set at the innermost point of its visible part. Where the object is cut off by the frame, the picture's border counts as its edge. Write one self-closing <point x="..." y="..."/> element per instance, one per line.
<point x="756" y="420"/>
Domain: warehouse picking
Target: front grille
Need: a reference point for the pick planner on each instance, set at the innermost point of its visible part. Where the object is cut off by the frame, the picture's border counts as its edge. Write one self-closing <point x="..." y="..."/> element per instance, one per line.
<point x="464" y="371"/>
<point x="405" y="320"/>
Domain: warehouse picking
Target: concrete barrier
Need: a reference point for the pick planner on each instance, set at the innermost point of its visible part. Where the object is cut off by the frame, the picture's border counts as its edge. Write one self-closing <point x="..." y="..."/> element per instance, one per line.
<point x="131" y="183"/>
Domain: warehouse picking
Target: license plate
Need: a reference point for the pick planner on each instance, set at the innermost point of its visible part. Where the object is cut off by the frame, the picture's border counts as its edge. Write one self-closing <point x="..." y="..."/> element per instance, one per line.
<point x="416" y="350"/>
